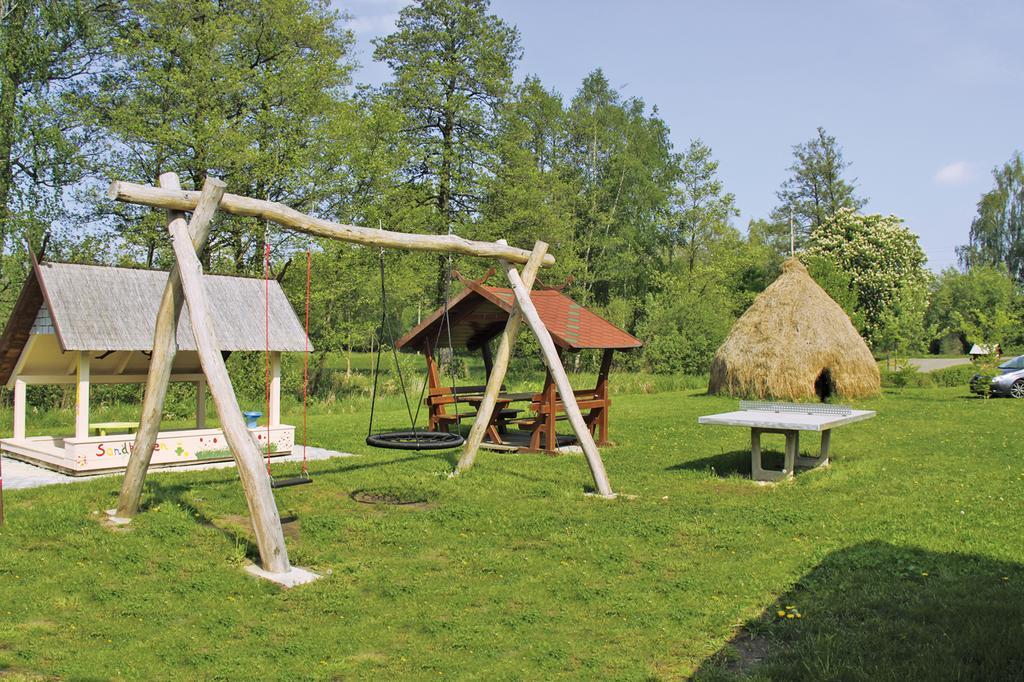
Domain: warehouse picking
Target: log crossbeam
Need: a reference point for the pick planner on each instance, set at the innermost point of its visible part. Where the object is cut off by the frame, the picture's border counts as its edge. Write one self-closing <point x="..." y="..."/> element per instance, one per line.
<point x="184" y="200"/>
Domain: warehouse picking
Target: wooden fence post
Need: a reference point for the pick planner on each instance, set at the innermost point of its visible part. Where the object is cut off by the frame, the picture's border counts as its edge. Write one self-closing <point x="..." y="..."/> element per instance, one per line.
<point x="554" y="365"/>
<point x="256" y="483"/>
<point x="165" y="346"/>
<point x="499" y="365"/>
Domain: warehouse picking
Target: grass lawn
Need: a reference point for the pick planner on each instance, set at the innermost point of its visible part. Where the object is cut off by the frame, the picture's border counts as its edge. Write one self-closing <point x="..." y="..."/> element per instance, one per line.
<point x="903" y="559"/>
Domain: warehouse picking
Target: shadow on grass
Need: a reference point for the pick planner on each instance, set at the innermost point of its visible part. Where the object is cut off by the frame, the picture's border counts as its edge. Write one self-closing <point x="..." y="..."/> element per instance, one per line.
<point x="879" y="611"/>
<point x="237" y="529"/>
<point x="724" y="465"/>
<point x="729" y="464"/>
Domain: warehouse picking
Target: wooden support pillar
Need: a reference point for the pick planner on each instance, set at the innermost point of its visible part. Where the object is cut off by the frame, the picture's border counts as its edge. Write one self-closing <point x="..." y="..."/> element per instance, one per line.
<point x="601" y="428"/>
<point x="165" y="344"/>
<point x="201" y="404"/>
<point x="19" y="408"/>
<point x="435" y="409"/>
<point x="551" y="359"/>
<point x="82" y="396"/>
<point x="500" y="367"/>
<point x="256" y="483"/>
<point x="485" y="352"/>
<point x="550" y="401"/>
<point x="275" y="389"/>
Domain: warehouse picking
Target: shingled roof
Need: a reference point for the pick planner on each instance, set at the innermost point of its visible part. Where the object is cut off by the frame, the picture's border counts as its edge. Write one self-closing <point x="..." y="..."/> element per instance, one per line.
<point x="479" y="312"/>
<point x="97" y="308"/>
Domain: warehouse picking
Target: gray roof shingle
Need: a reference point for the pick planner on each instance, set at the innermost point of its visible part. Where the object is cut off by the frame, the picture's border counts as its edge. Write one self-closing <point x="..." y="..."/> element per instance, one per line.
<point x="105" y="308"/>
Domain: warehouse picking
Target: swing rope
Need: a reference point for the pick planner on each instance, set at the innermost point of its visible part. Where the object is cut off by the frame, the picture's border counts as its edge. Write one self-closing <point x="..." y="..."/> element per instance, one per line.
<point x="385" y="325"/>
<point x="414" y="439"/>
<point x="304" y="476"/>
<point x="266" y="354"/>
<point x="305" y="368"/>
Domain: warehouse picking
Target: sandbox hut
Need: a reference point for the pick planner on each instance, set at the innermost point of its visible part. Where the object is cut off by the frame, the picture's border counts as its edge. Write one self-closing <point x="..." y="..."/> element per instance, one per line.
<point x="83" y="325"/>
<point x="794" y="343"/>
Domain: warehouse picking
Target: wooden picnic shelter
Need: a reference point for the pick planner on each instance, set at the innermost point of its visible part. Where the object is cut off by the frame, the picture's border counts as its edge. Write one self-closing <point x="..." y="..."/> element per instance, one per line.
<point x="478" y="314"/>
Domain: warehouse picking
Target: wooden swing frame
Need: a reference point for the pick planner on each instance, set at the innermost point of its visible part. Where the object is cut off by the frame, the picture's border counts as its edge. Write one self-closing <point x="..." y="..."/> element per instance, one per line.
<point x="185" y="284"/>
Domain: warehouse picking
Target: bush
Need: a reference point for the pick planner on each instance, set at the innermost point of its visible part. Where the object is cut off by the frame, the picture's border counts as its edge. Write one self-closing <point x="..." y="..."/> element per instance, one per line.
<point x="954" y="376"/>
<point x="907" y="376"/>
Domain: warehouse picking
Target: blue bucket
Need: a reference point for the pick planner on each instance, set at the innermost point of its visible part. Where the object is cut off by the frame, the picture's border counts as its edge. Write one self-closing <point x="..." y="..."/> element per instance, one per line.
<point x="251" y="419"/>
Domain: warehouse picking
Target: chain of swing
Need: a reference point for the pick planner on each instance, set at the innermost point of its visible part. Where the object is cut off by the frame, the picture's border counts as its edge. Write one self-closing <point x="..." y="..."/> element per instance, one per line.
<point x="414" y="438"/>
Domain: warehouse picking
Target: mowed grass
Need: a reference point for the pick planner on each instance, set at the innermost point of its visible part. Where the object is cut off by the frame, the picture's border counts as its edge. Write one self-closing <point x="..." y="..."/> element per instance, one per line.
<point x="903" y="559"/>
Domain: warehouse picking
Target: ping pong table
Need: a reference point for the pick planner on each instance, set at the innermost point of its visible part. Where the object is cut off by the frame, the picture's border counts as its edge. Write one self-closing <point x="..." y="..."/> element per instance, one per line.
<point x="788" y="419"/>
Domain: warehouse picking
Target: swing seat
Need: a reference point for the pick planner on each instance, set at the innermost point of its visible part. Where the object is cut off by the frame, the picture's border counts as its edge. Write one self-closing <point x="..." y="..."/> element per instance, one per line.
<point x="289" y="482"/>
<point x="415" y="440"/>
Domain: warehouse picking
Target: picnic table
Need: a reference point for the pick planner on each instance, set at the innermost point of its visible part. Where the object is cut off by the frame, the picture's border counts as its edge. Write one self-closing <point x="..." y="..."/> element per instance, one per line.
<point x="788" y="419"/>
<point x="502" y="412"/>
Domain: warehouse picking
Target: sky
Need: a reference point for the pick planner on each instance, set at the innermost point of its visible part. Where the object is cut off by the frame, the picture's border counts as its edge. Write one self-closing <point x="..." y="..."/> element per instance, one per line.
<point x="925" y="97"/>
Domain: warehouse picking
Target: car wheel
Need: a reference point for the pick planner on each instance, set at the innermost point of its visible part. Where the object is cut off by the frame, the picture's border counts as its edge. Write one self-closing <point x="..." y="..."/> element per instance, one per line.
<point x="1017" y="390"/>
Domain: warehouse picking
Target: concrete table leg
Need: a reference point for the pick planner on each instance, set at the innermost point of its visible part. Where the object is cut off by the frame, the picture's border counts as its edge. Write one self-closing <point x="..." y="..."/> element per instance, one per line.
<point x="757" y="471"/>
<point x="822" y="459"/>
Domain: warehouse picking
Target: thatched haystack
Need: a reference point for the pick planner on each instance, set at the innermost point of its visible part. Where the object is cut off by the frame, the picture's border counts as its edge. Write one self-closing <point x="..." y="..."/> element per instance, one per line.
<point x="794" y="343"/>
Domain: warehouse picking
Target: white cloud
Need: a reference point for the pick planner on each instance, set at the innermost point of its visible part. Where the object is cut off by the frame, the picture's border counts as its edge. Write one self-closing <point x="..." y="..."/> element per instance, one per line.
<point x="371" y="17"/>
<point x="956" y="173"/>
<point x="374" y="24"/>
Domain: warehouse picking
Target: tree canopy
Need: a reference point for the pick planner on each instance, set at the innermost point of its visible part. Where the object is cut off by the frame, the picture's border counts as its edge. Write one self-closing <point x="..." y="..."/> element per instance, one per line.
<point x="260" y="93"/>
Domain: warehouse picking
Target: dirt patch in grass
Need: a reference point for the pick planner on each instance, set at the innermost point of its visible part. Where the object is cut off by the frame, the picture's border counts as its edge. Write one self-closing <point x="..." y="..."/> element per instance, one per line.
<point x="390" y="498"/>
<point x="748" y="651"/>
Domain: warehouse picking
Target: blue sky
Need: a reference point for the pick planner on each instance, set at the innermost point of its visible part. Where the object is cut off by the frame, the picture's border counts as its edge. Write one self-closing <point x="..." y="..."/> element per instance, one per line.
<point x="925" y="97"/>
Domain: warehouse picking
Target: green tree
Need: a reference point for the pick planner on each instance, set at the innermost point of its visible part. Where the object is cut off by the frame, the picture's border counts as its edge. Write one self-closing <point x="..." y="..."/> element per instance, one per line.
<point x="701" y="208"/>
<point x="837" y="283"/>
<point x="250" y="91"/>
<point x="452" y="63"/>
<point x="529" y="196"/>
<point x="981" y="305"/>
<point x="882" y="257"/>
<point x="997" y="232"/>
<point x="815" y="191"/>
<point x="623" y="169"/>
<point x="50" y="50"/>
<point x="684" y="325"/>
<point x="902" y="327"/>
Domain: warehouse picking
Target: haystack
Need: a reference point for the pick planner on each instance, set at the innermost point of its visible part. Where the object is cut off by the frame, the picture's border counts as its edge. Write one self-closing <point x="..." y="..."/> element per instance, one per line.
<point x="794" y="343"/>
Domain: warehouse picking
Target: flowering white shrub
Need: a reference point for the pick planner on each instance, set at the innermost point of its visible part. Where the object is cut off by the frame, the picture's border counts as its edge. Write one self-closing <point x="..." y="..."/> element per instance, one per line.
<point x="884" y="261"/>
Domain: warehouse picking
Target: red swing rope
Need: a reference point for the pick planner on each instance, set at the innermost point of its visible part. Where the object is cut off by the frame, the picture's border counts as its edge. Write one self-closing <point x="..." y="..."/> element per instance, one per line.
<point x="305" y="358"/>
<point x="266" y="354"/>
<point x="305" y="366"/>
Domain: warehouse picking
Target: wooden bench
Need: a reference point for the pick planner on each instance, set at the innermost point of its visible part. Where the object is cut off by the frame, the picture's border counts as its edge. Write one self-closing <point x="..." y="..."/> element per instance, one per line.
<point x="101" y="428"/>
<point x="441" y="396"/>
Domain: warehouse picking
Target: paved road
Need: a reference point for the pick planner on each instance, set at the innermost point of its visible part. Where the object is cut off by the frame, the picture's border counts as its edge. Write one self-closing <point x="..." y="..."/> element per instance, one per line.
<point x="932" y="364"/>
<point x="21" y="475"/>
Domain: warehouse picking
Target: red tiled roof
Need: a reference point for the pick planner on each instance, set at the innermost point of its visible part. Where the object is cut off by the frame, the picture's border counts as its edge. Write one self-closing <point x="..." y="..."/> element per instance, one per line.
<point x="479" y="312"/>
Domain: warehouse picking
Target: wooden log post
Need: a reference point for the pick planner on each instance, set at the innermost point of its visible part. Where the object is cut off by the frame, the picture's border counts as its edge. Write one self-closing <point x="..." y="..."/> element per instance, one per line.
<point x="256" y="483"/>
<point x="499" y="366"/>
<point x="181" y="200"/>
<point x="550" y="354"/>
<point x="165" y="345"/>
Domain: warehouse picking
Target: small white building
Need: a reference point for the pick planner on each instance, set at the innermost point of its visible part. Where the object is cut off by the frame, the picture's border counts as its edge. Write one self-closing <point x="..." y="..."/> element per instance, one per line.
<point x="87" y="324"/>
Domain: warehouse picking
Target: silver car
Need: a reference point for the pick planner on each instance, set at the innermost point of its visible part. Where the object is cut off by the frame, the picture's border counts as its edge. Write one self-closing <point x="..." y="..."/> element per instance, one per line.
<point x="1009" y="382"/>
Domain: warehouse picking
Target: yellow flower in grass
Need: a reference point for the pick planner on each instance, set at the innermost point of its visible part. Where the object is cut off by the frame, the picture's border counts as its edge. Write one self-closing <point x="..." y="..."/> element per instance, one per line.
<point x="782" y="614"/>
